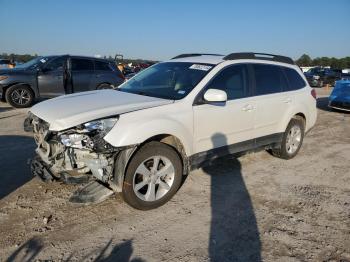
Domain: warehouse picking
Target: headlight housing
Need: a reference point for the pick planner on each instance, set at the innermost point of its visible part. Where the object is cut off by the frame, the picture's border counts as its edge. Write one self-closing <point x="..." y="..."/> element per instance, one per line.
<point x="88" y="135"/>
<point x="102" y="125"/>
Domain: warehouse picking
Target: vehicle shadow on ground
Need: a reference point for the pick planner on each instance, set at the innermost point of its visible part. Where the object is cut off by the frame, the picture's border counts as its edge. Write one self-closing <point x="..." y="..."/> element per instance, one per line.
<point x="234" y="234"/>
<point x="322" y="103"/>
<point x="5" y="108"/>
<point x="14" y="154"/>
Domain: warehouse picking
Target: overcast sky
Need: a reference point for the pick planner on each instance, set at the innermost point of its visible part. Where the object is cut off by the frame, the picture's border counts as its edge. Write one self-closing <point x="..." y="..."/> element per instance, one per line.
<point x="161" y="29"/>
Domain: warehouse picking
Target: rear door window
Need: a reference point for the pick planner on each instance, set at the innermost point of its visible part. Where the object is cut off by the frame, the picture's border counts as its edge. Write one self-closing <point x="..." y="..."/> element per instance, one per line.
<point x="294" y="79"/>
<point x="79" y="64"/>
<point x="269" y="79"/>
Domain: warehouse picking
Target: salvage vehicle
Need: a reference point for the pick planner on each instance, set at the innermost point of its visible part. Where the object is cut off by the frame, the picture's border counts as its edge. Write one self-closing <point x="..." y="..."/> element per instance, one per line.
<point x="143" y="138"/>
<point x="340" y="96"/>
<point x="51" y="76"/>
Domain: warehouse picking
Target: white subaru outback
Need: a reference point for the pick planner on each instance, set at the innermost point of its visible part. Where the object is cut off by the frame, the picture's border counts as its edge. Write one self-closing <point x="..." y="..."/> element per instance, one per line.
<point x="142" y="138"/>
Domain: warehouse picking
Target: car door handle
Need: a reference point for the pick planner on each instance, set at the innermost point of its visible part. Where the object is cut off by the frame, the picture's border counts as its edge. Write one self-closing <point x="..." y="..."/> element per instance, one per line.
<point x="287" y="100"/>
<point x="248" y="108"/>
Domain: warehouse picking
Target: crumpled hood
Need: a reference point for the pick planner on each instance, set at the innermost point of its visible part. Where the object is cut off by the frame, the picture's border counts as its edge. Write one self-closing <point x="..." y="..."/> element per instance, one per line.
<point x="71" y="110"/>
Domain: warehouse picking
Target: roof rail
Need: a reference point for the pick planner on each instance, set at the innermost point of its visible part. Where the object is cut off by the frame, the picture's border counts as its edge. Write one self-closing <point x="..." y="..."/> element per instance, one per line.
<point x="260" y="56"/>
<point x="190" y="55"/>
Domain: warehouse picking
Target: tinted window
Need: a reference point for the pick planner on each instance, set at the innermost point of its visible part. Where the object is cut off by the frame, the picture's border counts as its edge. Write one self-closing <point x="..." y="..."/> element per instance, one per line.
<point x="82" y="64"/>
<point x="269" y="79"/>
<point x="99" y="65"/>
<point x="294" y="79"/>
<point x="232" y="80"/>
<point x="56" y="64"/>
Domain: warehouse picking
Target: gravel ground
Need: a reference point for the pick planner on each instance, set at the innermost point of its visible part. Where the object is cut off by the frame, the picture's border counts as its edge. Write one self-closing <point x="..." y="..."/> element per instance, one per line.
<point x="252" y="208"/>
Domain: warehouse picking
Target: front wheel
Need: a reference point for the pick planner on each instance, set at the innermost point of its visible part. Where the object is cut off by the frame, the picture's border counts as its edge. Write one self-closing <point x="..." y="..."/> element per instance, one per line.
<point x="292" y="139"/>
<point x="20" y="96"/>
<point x="153" y="176"/>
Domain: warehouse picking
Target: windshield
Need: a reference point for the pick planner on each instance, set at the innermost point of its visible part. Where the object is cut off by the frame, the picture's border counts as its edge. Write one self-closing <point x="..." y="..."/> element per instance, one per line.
<point x="34" y="63"/>
<point x="169" y="80"/>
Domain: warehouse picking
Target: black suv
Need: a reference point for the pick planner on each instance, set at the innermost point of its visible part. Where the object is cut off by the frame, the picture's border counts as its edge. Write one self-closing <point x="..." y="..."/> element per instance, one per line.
<point x="51" y="76"/>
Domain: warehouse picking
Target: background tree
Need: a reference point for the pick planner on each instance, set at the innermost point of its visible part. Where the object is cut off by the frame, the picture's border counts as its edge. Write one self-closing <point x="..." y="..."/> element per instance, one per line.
<point x="304" y="60"/>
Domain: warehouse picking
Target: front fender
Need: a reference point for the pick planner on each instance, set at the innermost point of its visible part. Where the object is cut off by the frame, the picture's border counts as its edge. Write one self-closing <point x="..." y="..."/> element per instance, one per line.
<point x="126" y="133"/>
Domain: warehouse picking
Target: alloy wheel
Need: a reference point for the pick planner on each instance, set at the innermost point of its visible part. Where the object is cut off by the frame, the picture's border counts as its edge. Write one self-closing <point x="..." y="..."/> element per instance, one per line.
<point x="153" y="178"/>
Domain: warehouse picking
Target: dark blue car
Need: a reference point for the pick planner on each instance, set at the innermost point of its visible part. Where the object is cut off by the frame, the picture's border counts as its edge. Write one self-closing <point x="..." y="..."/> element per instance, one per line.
<point x="340" y="97"/>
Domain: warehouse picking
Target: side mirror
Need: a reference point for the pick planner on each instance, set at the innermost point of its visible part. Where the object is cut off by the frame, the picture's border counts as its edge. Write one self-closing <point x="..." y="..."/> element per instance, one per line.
<point x="215" y="95"/>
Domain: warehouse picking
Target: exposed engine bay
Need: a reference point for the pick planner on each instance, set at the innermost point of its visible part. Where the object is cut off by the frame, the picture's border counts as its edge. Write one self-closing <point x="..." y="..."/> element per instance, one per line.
<point x="81" y="149"/>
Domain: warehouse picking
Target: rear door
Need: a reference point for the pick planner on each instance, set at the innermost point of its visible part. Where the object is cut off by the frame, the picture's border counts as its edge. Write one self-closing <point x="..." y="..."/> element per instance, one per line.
<point x="222" y="126"/>
<point x="82" y="74"/>
<point x="50" y="78"/>
<point x="271" y="100"/>
<point x="105" y="73"/>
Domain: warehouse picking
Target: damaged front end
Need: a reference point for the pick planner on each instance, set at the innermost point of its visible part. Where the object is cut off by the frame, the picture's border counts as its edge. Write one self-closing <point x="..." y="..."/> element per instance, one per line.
<point x="74" y="152"/>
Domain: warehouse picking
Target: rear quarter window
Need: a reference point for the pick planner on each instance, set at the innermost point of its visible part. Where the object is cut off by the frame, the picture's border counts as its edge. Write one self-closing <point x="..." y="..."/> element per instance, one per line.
<point x="104" y="66"/>
<point x="295" y="81"/>
<point x="269" y="79"/>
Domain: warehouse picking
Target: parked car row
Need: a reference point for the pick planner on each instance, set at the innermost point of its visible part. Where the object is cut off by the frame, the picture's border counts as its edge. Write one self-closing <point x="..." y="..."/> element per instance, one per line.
<point x="320" y="76"/>
<point x="51" y="76"/>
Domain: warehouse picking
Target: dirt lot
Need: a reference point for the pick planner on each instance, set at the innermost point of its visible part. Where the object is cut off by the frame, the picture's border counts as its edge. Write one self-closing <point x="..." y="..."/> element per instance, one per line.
<point x="253" y="208"/>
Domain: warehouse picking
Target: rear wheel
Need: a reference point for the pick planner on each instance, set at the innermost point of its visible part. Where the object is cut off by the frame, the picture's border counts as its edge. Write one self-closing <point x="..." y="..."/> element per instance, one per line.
<point x="20" y="96"/>
<point x="153" y="176"/>
<point x="104" y="86"/>
<point x="292" y="139"/>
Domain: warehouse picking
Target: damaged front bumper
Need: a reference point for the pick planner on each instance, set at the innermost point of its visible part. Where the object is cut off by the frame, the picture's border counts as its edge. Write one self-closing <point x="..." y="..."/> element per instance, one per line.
<point x="88" y="157"/>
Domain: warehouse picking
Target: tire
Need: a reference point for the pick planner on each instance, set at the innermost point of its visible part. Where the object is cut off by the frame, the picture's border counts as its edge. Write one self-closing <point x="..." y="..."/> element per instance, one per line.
<point x="143" y="162"/>
<point x="290" y="148"/>
<point x="19" y="96"/>
<point x="104" y="86"/>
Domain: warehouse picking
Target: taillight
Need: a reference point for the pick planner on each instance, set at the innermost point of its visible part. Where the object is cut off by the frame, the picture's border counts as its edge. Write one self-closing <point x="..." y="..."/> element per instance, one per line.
<point x="313" y="93"/>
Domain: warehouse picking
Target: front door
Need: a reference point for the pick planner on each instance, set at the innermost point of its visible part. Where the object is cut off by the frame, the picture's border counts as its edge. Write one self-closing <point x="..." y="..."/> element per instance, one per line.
<point x="226" y="127"/>
<point x="50" y="78"/>
<point x="82" y="74"/>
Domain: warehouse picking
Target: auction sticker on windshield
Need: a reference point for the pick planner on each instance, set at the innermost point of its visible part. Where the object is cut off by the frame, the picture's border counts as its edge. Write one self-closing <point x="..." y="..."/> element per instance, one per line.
<point x="200" y="67"/>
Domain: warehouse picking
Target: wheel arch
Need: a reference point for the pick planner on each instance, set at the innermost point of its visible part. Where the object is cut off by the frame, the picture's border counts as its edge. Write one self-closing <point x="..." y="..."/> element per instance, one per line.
<point x="292" y="114"/>
<point x="5" y="88"/>
<point x="124" y="157"/>
<point x="102" y="83"/>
